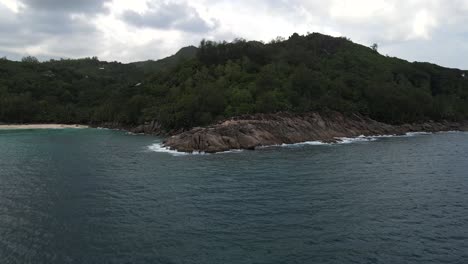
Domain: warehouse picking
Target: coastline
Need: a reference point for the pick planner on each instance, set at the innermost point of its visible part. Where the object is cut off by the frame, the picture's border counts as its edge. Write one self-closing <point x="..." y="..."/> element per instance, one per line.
<point x="159" y="147"/>
<point x="250" y="132"/>
<point x="261" y="130"/>
<point x="39" y="126"/>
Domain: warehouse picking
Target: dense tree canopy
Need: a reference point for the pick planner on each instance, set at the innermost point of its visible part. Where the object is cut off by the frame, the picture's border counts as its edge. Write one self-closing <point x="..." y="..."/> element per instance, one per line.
<point x="219" y="79"/>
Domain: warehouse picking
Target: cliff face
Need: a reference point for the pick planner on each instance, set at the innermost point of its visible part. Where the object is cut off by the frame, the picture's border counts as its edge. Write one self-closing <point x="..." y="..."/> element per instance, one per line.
<point x="249" y="132"/>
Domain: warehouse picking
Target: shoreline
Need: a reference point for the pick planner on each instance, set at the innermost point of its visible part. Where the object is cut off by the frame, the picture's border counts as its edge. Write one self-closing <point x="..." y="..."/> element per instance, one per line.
<point x="159" y="147"/>
<point x="260" y="130"/>
<point x="250" y="132"/>
<point x="39" y="126"/>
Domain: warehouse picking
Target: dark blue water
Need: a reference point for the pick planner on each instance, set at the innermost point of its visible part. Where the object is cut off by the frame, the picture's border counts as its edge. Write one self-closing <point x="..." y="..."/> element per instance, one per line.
<point x="98" y="196"/>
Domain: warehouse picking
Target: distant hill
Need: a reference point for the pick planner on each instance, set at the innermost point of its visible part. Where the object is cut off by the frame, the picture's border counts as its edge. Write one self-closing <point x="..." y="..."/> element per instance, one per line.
<point x="217" y="80"/>
<point x="183" y="54"/>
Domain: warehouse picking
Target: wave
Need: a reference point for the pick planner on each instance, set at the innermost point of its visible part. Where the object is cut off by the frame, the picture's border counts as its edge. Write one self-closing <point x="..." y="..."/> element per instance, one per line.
<point x="339" y="140"/>
<point x="306" y="143"/>
<point x="412" y="134"/>
<point x="362" y="138"/>
<point x="230" y="151"/>
<point x="135" y="134"/>
<point x="349" y="140"/>
<point x="158" y="147"/>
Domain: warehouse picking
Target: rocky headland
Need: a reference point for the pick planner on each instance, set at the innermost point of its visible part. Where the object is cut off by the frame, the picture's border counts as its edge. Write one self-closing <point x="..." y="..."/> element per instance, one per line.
<point x="252" y="131"/>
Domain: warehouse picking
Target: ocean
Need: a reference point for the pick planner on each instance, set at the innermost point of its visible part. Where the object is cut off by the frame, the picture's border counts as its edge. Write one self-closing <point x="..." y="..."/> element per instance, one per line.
<point x="103" y="196"/>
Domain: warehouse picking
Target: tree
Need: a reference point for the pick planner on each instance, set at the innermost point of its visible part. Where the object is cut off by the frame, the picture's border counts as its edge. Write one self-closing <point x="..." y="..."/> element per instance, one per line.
<point x="278" y="39"/>
<point x="375" y="47"/>
<point x="30" y="59"/>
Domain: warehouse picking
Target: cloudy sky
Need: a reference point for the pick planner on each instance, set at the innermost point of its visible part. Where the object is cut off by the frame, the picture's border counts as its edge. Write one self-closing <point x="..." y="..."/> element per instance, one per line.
<point x="133" y="30"/>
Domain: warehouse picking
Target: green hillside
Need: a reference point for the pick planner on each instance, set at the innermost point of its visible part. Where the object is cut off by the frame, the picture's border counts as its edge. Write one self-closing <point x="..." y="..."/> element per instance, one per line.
<point x="198" y="86"/>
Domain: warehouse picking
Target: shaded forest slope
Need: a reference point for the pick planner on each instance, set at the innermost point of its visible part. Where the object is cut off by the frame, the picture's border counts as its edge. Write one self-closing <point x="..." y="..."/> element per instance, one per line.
<point x="218" y="80"/>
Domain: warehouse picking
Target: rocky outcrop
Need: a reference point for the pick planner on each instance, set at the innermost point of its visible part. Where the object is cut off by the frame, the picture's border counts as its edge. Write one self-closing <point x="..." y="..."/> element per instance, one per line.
<point x="153" y="127"/>
<point x="249" y="132"/>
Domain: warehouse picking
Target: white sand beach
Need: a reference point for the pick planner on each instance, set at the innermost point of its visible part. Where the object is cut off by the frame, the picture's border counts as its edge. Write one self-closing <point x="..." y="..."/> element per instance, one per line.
<point x="39" y="126"/>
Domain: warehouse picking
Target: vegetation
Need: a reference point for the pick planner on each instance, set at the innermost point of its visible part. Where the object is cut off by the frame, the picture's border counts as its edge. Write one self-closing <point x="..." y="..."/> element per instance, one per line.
<point x="218" y="80"/>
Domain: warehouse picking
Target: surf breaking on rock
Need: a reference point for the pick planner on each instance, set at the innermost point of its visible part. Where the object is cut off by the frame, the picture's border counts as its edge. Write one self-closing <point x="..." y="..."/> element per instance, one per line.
<point x="253" y="131"/>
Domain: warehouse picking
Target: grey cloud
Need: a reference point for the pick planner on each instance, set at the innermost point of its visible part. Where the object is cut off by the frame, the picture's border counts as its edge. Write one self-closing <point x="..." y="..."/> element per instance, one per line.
<point x="77" y="45"/>
<point x="56" y="28"/>
<point x="69" y="6"/>
<point x="12" y="27"/>
<point x="445" y="48"/>
<point x="169" y="16"/>
<point x="43" y="22"/>
<point x="34" y="26"/>
<point x="7" y="20"/>
<point x="10" y="55"/>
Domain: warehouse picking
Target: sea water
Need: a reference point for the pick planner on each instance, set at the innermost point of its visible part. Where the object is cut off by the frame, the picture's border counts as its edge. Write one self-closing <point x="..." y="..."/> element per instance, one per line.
<point x="102" y="196"/>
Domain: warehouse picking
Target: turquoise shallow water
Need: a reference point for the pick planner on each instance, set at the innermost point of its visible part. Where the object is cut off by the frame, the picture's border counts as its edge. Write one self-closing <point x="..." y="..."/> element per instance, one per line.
<point x="101" y="196"/>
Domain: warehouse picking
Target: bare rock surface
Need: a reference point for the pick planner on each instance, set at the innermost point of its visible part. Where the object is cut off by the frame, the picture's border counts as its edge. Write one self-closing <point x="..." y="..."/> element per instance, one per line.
<point x="249" y="132"/>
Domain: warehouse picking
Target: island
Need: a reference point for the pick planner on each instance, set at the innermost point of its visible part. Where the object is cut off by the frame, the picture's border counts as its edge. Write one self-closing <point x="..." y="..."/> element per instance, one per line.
<point x="241" y="94"/>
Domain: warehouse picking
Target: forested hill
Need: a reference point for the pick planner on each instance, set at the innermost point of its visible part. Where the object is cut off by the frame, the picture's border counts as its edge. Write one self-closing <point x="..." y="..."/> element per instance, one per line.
<point x="201" y="85"/>
<point x="151" y="66"/>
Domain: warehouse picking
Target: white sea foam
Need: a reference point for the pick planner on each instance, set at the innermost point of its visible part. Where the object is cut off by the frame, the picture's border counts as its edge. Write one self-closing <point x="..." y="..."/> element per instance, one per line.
<point x="350" y="140"/>
<point x="158" y="147"/>
<point x="376" y="137"/>
<point x="231" y="151"/>
<point x="384" y="136"/>
<point x="346" y="140"/>
<point x="307" y="143"/>
<point x="135" y="134"/>
<point x="412" y="134"/>
<point x="451" y="132"/>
